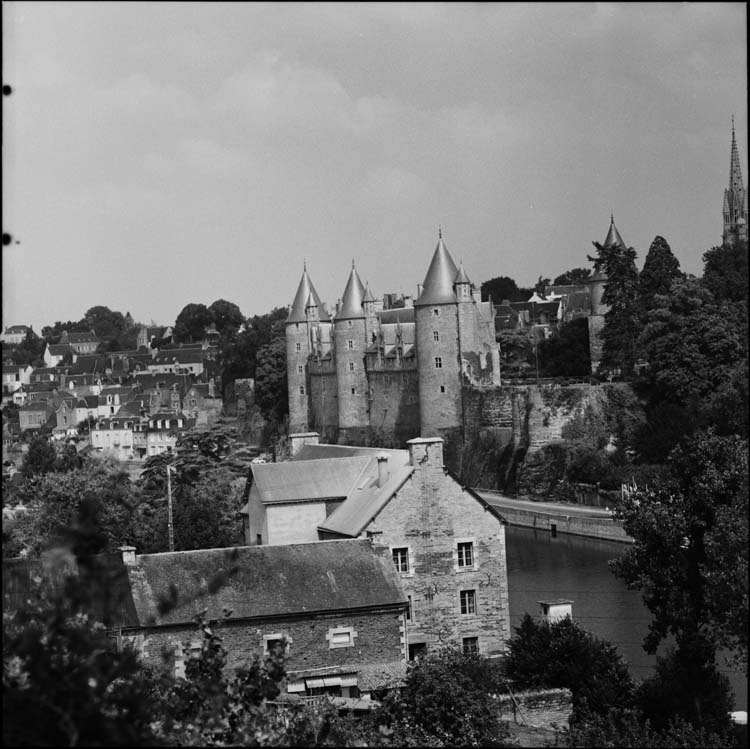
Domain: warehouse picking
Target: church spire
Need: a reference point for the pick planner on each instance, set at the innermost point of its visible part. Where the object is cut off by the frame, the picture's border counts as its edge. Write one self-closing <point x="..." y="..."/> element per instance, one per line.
<point x="735" y="199"/>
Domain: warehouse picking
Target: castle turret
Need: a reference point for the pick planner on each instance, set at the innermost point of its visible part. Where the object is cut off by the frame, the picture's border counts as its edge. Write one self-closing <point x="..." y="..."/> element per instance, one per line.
<point x="735" y="200"/>
<point x="305" y="313"/>
<point x="350" y="342"/>
<point x="438" y="354"/>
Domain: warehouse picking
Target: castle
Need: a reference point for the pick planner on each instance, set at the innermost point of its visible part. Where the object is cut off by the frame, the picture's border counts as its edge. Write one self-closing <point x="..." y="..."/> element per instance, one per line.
<point x="735" y="201"/>
<point x="376" y="372"/>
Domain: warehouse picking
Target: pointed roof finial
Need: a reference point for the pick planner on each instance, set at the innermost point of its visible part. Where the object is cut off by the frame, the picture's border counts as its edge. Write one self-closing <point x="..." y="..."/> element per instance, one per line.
<point x="611" y="218"/>
<point x="352" y="262"/>
<point x="440" y="232"/>
<point x="304" y="264"/>
<point x="732" y="124"/>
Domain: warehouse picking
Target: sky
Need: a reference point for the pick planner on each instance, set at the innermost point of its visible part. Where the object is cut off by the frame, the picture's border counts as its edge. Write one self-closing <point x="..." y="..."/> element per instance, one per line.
<point x="156" y="155"/>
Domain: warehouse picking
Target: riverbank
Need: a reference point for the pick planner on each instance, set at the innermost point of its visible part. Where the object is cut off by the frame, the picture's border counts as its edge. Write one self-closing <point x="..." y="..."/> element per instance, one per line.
<point x="555" y="517"/>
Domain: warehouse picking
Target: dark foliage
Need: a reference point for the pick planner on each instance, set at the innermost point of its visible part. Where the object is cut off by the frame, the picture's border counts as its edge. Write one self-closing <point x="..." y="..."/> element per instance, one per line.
<point x="573" y="277"/>
<point x="504" y="288"/>
<point x="567" y="354"/>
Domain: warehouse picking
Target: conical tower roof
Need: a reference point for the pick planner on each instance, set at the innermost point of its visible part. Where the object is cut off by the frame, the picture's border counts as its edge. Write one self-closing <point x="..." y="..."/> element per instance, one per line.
<point x="354" y="295"/>
<point x="304" y="291"/>
<point x="735" y="169"/>
<point x="613" y="236"/>
<point x="368" y="294"/>
<point x="461" y="276"/>
<point x="438" y="283"/>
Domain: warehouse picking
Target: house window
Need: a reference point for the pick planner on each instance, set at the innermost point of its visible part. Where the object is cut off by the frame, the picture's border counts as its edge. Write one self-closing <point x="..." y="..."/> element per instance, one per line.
<point x="350" y="344"/>
<point x="300" y="369"/>
<point x="465" y="554"/>
<point x="277" y="640"/>
<point x="438" y="362"/>
<point x="298" y="346"/>
<point x="351" y="366"/>
<point x="341" y="637"/>
<point x="468" y="602"/>
<point x="258" y="539"/>
<point x="301" y="389"/>
<point x="471" y="645"/>
<point x="401" y="558"/>
<point x="435" y="335"/>
<point x="416" y="650"/>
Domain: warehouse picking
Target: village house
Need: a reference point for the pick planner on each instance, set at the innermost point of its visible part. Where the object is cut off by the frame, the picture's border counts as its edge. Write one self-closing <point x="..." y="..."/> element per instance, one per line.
<point x="446" y="542"/>
<point x="114" y="436"/>
<point x="200" y="403"/>
<point x="111" y="398"/>
<point x="14" y="376"/>
<point x="166" y="391"/>
<point x="65" y="415"/>
<point x="15" y="334"/>
<point x="55" y="353"/>
<point x="338" y="607"/>
<point x="147" y="334"/>
<point x="81" y="343"/>
<point x="177" y="361"/>
<point x="35" y="414"/>
<point x="86" y="407"/>
<point x="162" y="431"/>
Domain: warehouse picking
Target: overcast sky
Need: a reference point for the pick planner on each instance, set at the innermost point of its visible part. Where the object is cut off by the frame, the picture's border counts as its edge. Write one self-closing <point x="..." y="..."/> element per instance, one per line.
<point x="156" y="155"/>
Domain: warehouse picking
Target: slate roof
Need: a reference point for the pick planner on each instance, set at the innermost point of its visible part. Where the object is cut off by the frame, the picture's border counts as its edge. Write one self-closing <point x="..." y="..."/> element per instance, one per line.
<point x="305" y="288"/>
<point x="613" y="238"/>
<point x="59" y="349"/>
<point x="307" y="480"/>
<point x="354" y="294"/>
<point x="438" y="283"/>
<point x="17" y="329"/>
<point x="89" y="337"/>
<point x="316" y="452"/>
<point x="265" y="581"/>
<point x="397" y="314"/>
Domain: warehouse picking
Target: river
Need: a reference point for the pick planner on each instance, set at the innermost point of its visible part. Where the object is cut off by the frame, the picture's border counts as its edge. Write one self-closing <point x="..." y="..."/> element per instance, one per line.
<point x="541" y="567"/>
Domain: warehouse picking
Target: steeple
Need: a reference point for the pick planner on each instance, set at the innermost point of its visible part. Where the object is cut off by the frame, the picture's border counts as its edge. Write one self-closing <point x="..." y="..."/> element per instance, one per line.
<point x="354" y="294"/>
<point x="438" y="283"/>
<point x="304" y="290"/>
<point x="735" y="199"/>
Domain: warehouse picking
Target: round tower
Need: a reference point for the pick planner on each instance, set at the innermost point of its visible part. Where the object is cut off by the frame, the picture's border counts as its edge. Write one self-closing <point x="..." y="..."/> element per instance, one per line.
<point x="305" y="312"/>
<point x="438" y="353"/>
<point x="350" y="342"/>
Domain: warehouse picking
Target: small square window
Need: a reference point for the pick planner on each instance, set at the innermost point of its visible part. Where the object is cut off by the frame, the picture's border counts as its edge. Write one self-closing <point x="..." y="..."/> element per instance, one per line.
<point x="471" y="645"/>
<point x="468" y="602"/>
<point x="438" y="362"/>
<point x="436" y="312"/>
<point x="466" y="554"/>
<point x="341" y="637"/>
<point x="401" y="558"/>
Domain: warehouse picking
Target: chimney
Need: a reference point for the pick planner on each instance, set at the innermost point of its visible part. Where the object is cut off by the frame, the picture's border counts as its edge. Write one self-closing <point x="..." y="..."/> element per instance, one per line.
<point x="128" y="555"/>
<point x="426" y="450"/>
<point x="296" y="441"/>
<point x="383" y="473"/>
<point x="555" y="611"/>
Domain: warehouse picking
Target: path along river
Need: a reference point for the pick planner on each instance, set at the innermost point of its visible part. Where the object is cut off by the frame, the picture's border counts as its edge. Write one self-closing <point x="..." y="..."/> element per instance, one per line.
<point x="542" y="567"/>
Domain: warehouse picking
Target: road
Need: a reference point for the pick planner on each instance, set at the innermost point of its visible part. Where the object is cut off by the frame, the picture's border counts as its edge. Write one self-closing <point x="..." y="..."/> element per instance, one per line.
<point x="553" y="508"/>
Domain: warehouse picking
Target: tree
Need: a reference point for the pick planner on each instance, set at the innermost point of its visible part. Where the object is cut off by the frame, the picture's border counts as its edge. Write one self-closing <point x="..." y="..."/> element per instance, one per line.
<point x="29" y="351"/>
<point x="517" y="352"/>
<point x="660" y="269"/>
<point x="271" y="380"/>
<point x="40" y="458"/>
<point x="573" y="277"/>
<point x="227" y="317"/>
<point x="563" y="654"/>
<point x="621" y="324"/>
<point x="190" y="325"/>
<point x="725" y="272"/>
<point x="502" y="288"/>
<point x="105" y="323"/>
<point x="690" y="343"/>
<point x="567" y="354"/>
<point x="684" y="529"/>
<point x="446" y="698"/>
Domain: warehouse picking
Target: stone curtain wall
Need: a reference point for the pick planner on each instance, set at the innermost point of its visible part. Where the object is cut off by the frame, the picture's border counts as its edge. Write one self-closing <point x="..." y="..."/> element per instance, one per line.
<point x="394" y="405"/>
<point x="544" y="708"/>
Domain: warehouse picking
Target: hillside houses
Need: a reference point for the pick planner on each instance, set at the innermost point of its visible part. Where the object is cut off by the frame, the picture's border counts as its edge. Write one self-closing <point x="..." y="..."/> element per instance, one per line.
<point x="15" y="334"/>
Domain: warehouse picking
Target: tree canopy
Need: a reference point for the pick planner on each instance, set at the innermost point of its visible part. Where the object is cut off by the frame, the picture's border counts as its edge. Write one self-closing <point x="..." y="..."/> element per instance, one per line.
<point x="573" y="277"/>
<point x="190" y="325"/>
<point x="502" y="288"/>
<point x="660" y="269"/>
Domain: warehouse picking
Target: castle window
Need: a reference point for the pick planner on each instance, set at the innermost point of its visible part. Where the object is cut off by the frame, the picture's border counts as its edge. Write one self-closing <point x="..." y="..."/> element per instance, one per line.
<point x="435" y="335"/>
<point x="438" y="362"/>
<point x="300" y="369"/>
<point x="349" y="323"/>
<point x="468" y="602"/>
<point x="354" y="391"/>
<point x="350" y="344"/>
<point x="301" y="389"/>
<point x="436" y="312"/>
<point x="442" y="388"/>
<point x="351" y="366"/>
<point x="298" y="346"/>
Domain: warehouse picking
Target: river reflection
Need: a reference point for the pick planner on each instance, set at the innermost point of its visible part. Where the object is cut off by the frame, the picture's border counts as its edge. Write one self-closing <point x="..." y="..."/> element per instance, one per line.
<point x="541" y="567"/>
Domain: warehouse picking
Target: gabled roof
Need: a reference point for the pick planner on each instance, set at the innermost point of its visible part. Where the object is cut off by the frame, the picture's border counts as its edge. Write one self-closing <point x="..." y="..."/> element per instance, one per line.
<point x="305" y="288"/>
<point x="354" y="294"/>
<point x="307" y="480"/>
<point x="438" y="283"/>
<point x="265" y="581"/>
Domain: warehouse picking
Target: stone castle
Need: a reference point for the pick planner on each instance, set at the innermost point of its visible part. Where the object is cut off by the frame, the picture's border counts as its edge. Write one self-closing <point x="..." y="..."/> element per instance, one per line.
<point x="386" y="371"/>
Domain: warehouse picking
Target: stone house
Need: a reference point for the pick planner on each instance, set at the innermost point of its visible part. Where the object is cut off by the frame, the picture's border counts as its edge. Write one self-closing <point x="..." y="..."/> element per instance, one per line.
<point x="162" y="431"/>
<point x="339" y="607"/>
<point x="15" y="334"/>
<point x="177" y="361"/>
<point x="14" y="376"/>
<point x="81" y="343"/>
<point x="200" y="403"/>
<point x="114" y="436"/>
<point x="54" y="353"/>
<point x="446" y="542"/>
<point x="35" y="414"/>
